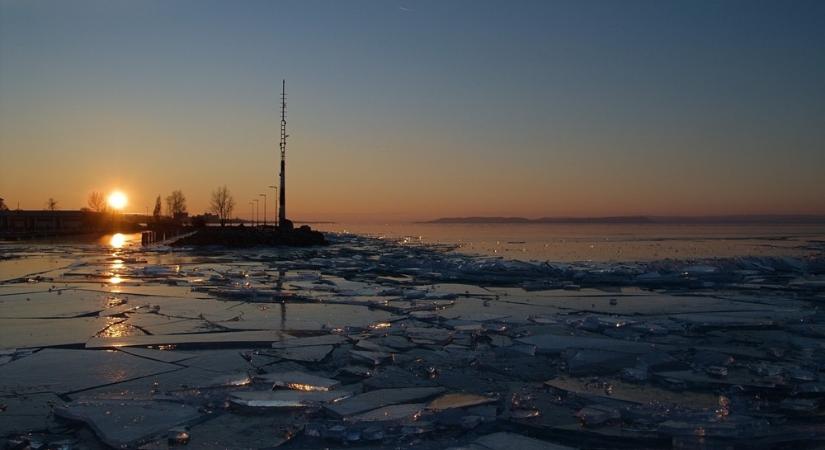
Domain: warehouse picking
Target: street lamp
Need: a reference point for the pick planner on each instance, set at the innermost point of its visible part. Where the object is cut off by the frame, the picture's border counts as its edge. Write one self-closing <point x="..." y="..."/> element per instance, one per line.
<point x="264" y="196"/>
<point x="276" y="202"/>
<point x="252" y="212"/>
<point x="257" y="209"/>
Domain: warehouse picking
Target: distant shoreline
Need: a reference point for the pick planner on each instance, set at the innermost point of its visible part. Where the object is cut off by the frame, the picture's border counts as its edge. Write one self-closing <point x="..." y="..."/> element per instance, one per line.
<point x="710" y="220"/>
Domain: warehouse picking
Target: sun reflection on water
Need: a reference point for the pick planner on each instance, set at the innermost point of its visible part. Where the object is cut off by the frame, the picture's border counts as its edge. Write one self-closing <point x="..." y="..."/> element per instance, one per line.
<point x="117" y="240"/>
<point x="116" y="328"/>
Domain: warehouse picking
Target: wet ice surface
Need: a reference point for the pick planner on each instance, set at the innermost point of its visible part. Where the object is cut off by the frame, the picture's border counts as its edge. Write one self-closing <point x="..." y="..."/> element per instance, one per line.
<point x="602" y="242"/>
<point x="371" y="343"/>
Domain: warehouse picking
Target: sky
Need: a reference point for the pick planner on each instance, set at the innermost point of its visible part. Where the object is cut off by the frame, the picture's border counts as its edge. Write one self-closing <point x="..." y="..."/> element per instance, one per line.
<point x="413" y="110"/>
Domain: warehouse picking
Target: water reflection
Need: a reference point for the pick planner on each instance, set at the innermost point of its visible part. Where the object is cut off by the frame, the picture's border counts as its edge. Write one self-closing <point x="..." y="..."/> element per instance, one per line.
<point x="116" y="328"/>
<point x="117" y="240"/>
<point x="120" y="241"/>
<point x="279" y="285"/>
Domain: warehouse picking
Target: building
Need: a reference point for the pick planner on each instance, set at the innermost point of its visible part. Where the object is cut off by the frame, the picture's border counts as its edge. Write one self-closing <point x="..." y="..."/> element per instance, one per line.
<point x="22" y="223"/>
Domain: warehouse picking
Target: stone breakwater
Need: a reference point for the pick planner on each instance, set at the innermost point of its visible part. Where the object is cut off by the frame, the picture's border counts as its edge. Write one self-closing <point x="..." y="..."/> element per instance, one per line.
<point x="252" y="237"/>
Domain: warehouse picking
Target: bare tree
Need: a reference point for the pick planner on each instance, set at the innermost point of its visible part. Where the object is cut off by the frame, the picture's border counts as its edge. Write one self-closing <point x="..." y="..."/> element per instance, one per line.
<point x="51" y="204"/>
<point x="96" y="202"/>
<point x="156" y="211"/>
<point x="176" y="203"/>
<point x="222" y="204"/>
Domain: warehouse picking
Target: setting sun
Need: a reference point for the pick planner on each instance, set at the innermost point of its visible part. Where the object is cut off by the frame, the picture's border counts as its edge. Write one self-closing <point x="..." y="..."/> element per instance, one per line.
<point x="117" y="200"/>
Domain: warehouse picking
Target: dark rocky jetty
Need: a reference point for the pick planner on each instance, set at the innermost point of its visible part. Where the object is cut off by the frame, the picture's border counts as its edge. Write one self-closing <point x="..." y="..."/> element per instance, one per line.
<point x="252" y="237"/>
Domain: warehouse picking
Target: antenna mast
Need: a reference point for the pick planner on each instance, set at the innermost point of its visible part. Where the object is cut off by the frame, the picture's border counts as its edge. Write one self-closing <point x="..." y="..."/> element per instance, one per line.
<point x="282" y="192"/>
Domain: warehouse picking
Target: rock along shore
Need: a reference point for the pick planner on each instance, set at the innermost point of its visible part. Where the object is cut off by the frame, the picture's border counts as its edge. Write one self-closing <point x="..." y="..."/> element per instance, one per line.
<point x="253" y="237"/>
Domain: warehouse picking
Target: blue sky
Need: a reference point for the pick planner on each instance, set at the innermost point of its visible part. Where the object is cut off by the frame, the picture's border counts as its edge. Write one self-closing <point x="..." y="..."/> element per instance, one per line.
<point x="420" y="109"/>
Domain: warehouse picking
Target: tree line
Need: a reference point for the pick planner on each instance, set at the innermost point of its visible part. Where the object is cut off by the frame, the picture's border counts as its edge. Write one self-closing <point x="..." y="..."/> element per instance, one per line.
<point x="222" y="204"/>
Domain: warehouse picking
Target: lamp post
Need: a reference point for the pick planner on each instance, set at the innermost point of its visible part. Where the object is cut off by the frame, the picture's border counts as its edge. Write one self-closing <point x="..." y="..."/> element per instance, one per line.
<point x="257" y="209"/>
<point x="252" y="212"/>
<point x="264" y="196"/>
<point x="276" y="202"/>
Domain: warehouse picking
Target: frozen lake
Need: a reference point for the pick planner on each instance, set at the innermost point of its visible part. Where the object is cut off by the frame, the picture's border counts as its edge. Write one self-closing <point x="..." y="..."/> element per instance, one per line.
<point x="393" y="342"/>
<point x="604" y="242"/>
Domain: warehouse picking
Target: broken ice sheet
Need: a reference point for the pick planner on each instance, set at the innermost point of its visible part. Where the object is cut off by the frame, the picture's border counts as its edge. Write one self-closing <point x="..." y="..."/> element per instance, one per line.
<point x="295" y="325"/>
<point x="56" y="304"/>
<point x="597" y="362"/>
<point x="158" y="355"/>
<point x="395" y="342"/>
<point x="511" y="441"/>
<point x="27" y="333"/>
<point x="458" y="400"/>
<point x="227" y="380"/>
<point x="461" y="289"/>
<point x="379" y="398"/>
<point x="596" y="415"/>
<point x="27" y="413"/>
<point x="139" y="288"/>
<point x="646" y="304"/>
<point x="31" y="265"/>
<point x="733" y="378"/>
<point x="161" y="324"/>
<point x="553" y="344"/>
<point x="189" y="308"/>
<point x="184" y="339"/>
<point x="314" y="353"/>
<point x="327" y="339"/>
<point x="395" y="377"/>
<point x="78" y="370"/>
<point x="242" y="432"/>
<point x="221" y="360"/>
<point x="374" y="358"/>
<point x="392" y="413"/>
<point x="429" y="335"/>
<point x="372" y="346"/>
<point x="644" y="394"/>
<point x="297" y="316"/>
<point x="122" y="308"/>
<point x="699" y="321"/>
<point x="129" y="423"/>
<point x="286" y="398"/>
<point x="300" y="381"/>
<point x="152" y="386"/>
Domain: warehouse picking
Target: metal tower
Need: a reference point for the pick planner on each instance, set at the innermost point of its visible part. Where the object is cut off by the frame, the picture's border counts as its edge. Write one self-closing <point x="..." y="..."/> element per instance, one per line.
<point x="282" y="193"/>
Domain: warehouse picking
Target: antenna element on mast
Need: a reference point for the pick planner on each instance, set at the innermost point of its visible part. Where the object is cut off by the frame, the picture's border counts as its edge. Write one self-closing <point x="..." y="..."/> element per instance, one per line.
<point x="282" y="222"/>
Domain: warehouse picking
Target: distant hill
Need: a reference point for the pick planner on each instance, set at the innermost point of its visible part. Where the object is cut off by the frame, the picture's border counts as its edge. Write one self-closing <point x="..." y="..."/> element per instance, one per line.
<point x="745" y="219"/>
<point x="731" y="219"/>
<point x="480" y="220"/>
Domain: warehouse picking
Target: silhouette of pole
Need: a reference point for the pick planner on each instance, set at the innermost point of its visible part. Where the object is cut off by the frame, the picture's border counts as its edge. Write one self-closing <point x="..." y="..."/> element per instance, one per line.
<point x="252" y="212"/>
<point x="276" y="202"/>
<point x="264" y="196"/>
<point x="282" y="209"/>
<point x="257" y="211"/>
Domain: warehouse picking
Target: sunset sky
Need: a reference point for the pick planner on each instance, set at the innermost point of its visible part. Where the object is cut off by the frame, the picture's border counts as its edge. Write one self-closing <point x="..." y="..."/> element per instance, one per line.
<point x="407" y="110"/>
